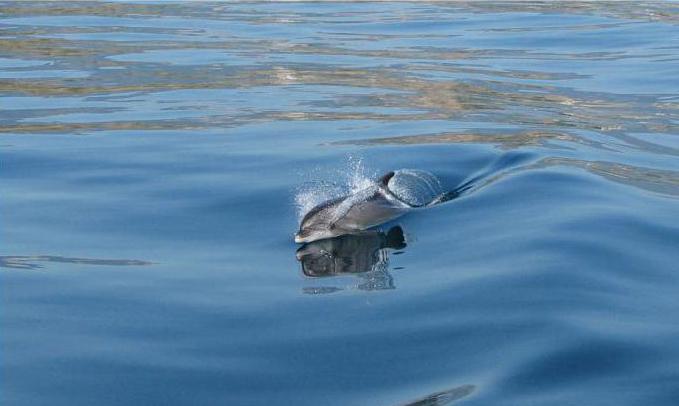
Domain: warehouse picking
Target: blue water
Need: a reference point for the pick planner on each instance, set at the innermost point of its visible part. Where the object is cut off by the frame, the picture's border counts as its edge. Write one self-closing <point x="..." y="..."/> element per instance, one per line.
<point x="154" y="155"/>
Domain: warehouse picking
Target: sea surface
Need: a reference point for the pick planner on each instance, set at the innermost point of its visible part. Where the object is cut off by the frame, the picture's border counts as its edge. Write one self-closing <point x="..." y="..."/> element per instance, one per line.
<point x="155" y="159"/>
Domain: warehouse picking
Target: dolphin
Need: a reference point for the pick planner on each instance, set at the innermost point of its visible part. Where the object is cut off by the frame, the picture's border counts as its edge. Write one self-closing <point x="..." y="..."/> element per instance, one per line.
<point x="369" y="207"/>
<point x="392" y="196"/>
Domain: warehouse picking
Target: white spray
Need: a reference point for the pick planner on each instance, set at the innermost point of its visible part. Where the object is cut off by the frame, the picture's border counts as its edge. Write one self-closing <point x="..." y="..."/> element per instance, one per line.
<point x="351" y="179"/>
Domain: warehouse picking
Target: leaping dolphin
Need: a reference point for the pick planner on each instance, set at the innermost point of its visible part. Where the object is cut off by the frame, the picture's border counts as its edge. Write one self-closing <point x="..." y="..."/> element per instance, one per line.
<point x="393" y="195"/>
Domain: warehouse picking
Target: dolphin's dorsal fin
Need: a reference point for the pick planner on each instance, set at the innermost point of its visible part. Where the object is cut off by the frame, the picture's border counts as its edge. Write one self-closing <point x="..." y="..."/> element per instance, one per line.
<point x="384" y="180"/>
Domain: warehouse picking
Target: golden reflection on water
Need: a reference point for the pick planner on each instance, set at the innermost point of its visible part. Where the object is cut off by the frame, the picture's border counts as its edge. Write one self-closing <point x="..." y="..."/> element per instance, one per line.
<point x="654" y="11"/>
<point x="505" y="140"/>
<point x="382" y="83"/>
<point x="654" y="180"/>
<point x="430" y="99"/>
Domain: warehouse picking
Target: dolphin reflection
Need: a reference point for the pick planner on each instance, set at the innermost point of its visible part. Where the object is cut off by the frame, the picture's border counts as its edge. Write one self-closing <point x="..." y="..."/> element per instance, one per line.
<point x="363" y="254"/>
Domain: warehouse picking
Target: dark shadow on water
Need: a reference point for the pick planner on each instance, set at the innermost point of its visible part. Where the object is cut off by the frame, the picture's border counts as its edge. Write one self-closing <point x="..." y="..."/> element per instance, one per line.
<point x="33" y="261"/>
<point x="363" y="254"/>
<point x="444" y="397"/>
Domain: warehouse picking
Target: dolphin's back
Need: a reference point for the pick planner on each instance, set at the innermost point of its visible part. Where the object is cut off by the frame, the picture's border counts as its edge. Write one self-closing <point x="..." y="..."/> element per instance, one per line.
<point x="327" y="205"/>
<point x="376" y="209"/>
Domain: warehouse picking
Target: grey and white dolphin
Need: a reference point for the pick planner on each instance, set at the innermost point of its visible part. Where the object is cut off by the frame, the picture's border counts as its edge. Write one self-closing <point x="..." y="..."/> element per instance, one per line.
<point x="393" y="195"/>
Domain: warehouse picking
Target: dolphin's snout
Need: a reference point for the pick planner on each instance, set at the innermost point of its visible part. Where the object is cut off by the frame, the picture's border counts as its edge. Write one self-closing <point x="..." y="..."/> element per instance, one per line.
<point x="306" y="235"/>
<point x="301" y="237"/>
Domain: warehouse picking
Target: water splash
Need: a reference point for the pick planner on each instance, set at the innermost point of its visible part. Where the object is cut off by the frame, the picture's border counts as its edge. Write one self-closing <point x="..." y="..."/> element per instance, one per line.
<point x="352" y="179"/>
<point x="412" y="187"/>
<point x="358" y="177"/>
<point x="312" y="193"/>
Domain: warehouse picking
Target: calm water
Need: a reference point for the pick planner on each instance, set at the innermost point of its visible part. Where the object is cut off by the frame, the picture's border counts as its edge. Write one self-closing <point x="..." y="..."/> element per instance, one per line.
<point x="153" y="154"/>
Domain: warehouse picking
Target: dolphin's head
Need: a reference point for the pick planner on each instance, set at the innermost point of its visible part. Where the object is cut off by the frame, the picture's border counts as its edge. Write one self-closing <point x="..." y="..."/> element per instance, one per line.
<point x="318" y="224"/>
